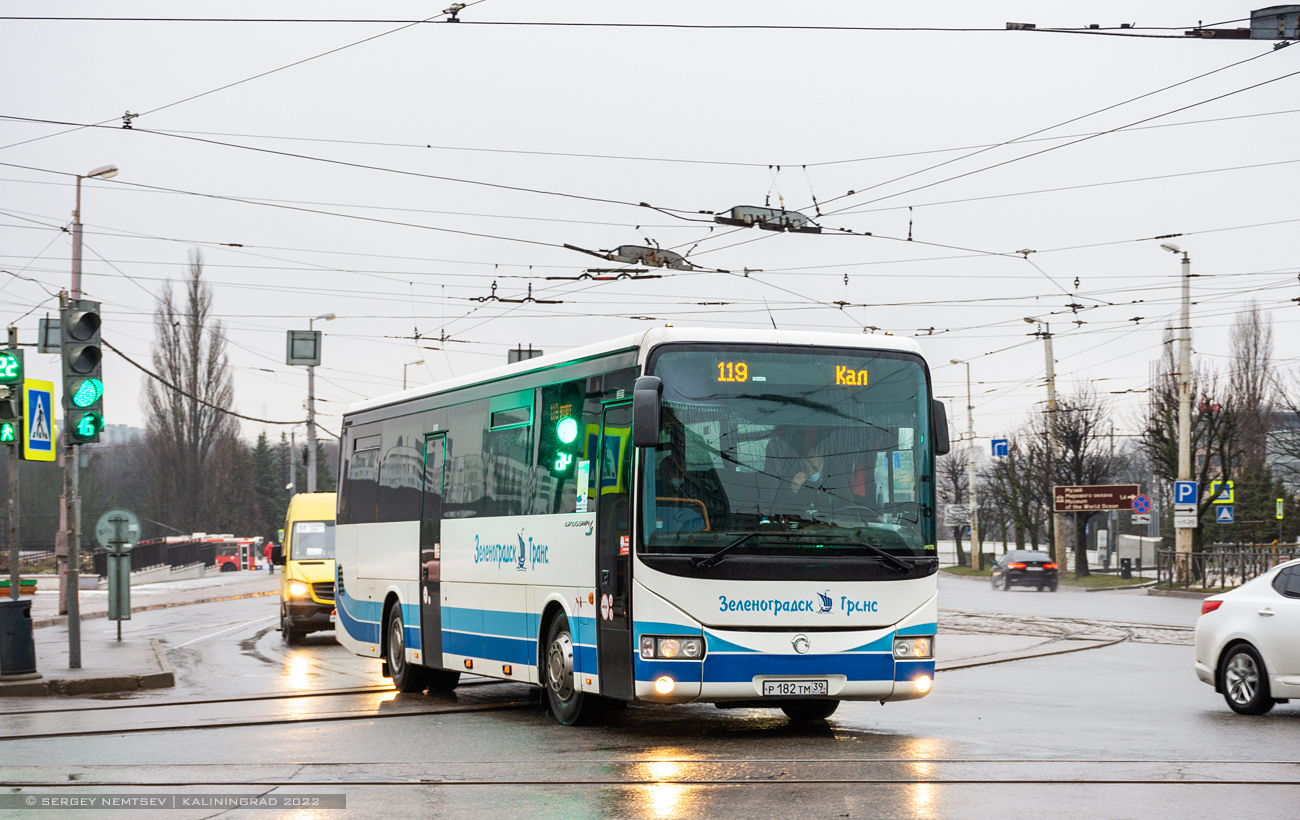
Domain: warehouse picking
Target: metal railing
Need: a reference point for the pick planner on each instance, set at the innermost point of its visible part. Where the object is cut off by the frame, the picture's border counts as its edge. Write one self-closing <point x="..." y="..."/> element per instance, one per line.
<point x="1221" y="566"/>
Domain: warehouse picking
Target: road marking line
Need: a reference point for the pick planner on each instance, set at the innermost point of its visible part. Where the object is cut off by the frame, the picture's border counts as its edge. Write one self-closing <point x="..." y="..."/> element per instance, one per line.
<point x="239" y="625"/>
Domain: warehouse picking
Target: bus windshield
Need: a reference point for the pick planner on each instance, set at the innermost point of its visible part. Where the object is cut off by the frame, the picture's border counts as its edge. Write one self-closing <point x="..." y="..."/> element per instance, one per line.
<point x="313" y="540"/>
<point x="801" y="452"/>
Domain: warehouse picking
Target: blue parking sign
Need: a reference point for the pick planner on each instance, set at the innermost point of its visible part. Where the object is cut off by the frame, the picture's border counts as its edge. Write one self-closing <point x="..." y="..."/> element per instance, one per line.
<point x="1185" y="492"/>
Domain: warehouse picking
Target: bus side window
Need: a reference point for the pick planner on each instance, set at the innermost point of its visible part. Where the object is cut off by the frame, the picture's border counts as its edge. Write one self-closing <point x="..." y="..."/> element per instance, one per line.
<point x="360" y="475"/>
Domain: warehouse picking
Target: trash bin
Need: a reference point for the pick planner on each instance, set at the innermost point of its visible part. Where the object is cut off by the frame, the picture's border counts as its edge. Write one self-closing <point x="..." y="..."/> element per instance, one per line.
<point x="17" y="649"/>
<point x="1126" y="568"/>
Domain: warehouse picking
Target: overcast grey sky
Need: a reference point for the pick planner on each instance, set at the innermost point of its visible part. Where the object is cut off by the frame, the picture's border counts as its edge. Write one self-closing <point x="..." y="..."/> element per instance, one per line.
<point x="384" y="182"/>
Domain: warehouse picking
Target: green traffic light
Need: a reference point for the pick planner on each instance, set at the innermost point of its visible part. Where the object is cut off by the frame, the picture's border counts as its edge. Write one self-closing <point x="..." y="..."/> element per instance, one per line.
<point x="11" y="368"/>
<point x="88" y="426"/>
<point x="8" y="433"/>
<point x="88" y="392"/>
<point x="567" y="430"/>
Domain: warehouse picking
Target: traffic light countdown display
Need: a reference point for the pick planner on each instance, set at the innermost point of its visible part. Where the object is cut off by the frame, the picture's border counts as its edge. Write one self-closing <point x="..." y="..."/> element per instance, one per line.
<point x="11" y="396"/>
<point x="83" y="385"/>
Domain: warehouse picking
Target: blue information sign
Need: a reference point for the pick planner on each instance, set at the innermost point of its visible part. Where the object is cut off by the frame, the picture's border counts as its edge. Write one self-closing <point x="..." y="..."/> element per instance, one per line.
<point x="1001" y="447"/>
<point x="1223" y="514"/>
<point x="1185" y="492"/>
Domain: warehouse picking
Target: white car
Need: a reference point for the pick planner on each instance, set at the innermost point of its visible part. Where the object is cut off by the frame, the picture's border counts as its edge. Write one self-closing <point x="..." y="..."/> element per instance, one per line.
<point x="1248" y="641"/>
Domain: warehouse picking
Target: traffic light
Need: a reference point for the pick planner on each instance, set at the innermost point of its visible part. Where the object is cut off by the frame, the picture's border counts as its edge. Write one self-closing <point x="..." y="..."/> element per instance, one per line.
<point x="11" y="396"/>
<point x="561" y="443"/>
<point x="83" y="385"/>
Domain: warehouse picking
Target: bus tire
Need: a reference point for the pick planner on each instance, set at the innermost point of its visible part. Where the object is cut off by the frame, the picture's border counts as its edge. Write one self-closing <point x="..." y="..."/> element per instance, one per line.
<point x="802" y="710"/>
<point x="569" y="706"/>
<point x="407" y="677"/>
<point x="292" y="636"/>
<point x="228" y="567"/>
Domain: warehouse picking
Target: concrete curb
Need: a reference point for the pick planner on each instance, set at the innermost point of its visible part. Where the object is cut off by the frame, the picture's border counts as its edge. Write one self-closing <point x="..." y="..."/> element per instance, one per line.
<point x="1037" y="652"/>
<point x="1144" y="585"/>
<point x="163" y="678"/>
<point x="63" y="619"/>
<point x="1182" y="593"/>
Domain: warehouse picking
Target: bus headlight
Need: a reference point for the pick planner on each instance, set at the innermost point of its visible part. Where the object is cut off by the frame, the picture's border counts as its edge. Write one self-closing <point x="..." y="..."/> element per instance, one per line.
<point x="653" y="647"/>
<point x="297" y="588"/>
<point x="912" y="649"/>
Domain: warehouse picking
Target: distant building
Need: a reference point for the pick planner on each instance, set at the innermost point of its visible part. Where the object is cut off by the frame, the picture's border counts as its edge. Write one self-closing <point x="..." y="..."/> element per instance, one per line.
<point x="1283" y="448"/>
<point x="120" y="434"/>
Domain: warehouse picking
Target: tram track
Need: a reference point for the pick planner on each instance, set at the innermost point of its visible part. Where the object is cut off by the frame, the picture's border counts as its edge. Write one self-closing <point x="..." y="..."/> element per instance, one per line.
<point x="279" y="720"/>
<point x="691" y="773"/>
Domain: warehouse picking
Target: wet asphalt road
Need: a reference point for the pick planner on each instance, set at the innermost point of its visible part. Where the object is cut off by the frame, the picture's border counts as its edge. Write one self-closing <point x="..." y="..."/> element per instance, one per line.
<point x="1122" y="731"/>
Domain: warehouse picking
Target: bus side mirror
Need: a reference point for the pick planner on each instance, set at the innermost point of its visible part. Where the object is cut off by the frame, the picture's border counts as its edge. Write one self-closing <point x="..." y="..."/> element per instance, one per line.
<point x="277" y="555"/>
<point x="645" y="410"/>
<point x="939" y="416"/>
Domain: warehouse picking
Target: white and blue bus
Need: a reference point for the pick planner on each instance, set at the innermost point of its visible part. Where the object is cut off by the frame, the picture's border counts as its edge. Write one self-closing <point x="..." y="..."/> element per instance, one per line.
<point x="745" y="518"/>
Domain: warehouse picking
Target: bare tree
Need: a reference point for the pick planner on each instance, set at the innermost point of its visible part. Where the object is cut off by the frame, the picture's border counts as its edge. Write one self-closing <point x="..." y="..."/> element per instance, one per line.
<point x="1016" y="485"/>
<point x="1081" y="427"/>
<point x="1250" y="383"/>
<point x="952" y="472"/>
<point x="1215" y="441"/>
<point x="184" y="421"/>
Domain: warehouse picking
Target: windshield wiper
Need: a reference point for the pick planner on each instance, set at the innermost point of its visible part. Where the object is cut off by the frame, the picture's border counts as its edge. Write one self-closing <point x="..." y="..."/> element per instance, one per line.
<point x="892" y="560"/>
<point x="712" y="560"/>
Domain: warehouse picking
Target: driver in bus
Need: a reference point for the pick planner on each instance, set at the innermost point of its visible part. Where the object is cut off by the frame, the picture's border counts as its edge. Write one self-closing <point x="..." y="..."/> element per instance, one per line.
<point x="679" y="502"/>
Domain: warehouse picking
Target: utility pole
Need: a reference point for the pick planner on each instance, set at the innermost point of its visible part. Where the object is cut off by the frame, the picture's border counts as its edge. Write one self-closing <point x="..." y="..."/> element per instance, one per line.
<point x="1058" y="519"/>
<point x="14" y="579"/>
<point x="1184" y="535"/>
<point x="311" y="412"/>
<point x="975" y="557"/>
<point x="71" y="461"/>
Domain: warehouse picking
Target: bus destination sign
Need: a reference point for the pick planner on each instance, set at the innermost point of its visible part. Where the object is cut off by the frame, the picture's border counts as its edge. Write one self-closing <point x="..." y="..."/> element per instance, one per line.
<point x="1094" y="497"/>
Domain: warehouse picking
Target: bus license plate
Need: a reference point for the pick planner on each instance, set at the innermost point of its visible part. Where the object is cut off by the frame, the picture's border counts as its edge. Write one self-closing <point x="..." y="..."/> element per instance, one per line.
<point x="796" y="688"/>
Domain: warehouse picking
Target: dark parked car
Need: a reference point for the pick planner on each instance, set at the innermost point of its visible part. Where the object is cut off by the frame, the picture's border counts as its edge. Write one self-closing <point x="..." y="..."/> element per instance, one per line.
<point x="1024" y="568"/>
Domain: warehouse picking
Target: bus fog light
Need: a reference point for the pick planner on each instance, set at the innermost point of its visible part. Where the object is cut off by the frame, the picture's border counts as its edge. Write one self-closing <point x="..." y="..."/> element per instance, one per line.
<point x="923" y="684"/>
<point x="665" y="685"/>
<point x="297" y="589"/>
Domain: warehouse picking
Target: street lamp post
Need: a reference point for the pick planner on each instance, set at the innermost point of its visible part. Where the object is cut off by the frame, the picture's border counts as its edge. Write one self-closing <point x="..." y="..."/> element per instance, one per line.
<point x="1183" y="538"/>
<point x="71" y="500"/>
<point x="311" y="412"/>
<point x="409" y="364"/>
<point x="970" y="475"/>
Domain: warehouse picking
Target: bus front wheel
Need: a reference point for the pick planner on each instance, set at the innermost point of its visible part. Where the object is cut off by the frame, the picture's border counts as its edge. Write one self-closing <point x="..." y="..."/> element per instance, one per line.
<point x="570" y="707"/>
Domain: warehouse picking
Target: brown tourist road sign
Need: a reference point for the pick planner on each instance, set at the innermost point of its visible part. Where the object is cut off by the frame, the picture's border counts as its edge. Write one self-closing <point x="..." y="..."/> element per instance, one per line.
<point x="1092" y="497"/>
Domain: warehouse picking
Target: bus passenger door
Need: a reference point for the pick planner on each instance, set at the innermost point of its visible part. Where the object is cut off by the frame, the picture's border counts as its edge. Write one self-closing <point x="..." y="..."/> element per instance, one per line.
<point x="435" y="451"/>
<point x="614" y="553"/>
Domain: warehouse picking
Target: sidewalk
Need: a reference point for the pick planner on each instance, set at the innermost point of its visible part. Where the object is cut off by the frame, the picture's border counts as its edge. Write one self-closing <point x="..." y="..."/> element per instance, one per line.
<point x="223" y="586"/>
<point x="139" y="663"/>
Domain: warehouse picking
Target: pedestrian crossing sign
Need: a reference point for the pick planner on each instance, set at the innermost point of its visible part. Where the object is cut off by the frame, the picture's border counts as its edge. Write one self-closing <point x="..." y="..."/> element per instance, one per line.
<point x="1225" y="497"/>
<point x="38" y="420"/>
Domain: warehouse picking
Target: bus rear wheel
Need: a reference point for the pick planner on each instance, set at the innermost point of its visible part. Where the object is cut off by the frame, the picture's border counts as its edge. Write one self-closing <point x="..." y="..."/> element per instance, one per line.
<point x="407" y="677"/>
<point x="570" y="707"/>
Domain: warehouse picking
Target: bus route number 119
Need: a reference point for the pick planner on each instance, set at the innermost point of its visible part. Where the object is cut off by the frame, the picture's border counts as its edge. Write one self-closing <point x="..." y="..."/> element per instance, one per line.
<point x="733" y="372"/>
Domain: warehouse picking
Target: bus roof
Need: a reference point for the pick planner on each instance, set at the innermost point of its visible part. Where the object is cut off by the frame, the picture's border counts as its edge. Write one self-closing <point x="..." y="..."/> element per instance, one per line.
<point x="645" y="341"/>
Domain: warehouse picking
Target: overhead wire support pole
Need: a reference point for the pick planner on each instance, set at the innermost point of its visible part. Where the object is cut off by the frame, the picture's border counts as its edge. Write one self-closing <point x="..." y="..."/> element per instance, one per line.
<point x="1184" y="535"/>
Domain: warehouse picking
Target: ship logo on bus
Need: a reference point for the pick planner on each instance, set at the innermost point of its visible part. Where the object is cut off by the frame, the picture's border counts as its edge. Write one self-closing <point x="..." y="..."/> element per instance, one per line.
<point x="827" y="603"/>
<point x="524" y="556"/>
